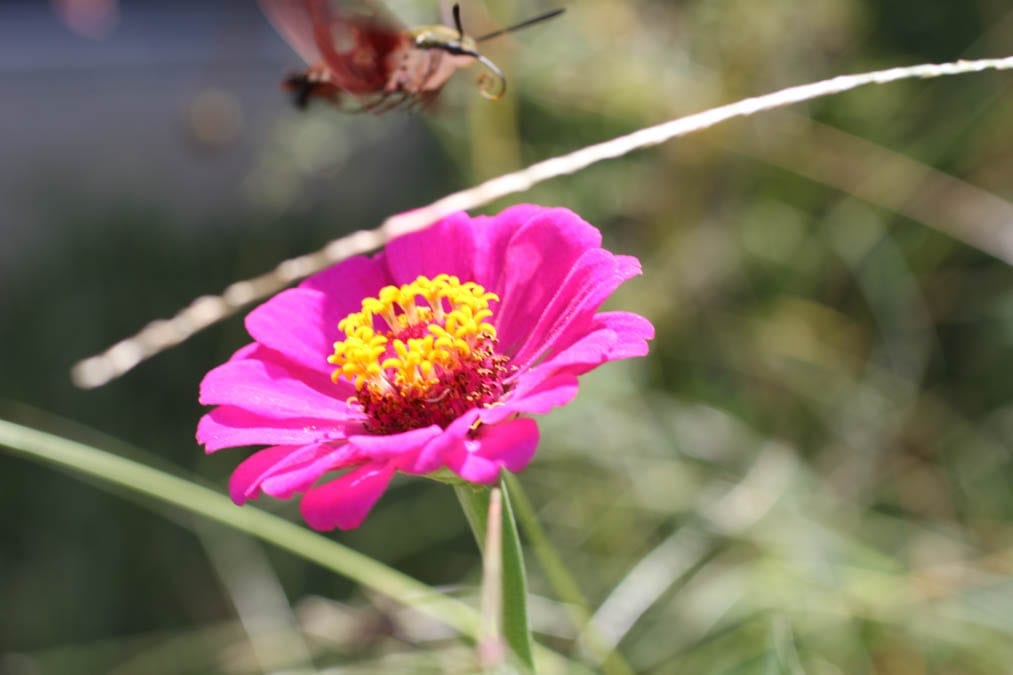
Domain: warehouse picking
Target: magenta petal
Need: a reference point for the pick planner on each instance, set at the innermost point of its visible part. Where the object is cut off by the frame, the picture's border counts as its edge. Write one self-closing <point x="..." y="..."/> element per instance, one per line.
<point x="577" y="296"/>
<point x="541" y="255"/>
<point x="321" y="381"/>
<point x="613" y="336"/>
<point x="232" y="427"/>
<point x="447" y="247"/>
<point x="245" y="481"/>
<point x="249" y="351"/>
<point x="347" y="283"/>
<point x="270" y="391"/>
<point x="299" y="324"/>
<point x="619" y="335"/>
<point x="583" y="355"/>
<point x="509" y="445"/>
<point x="400" y="448"/>
<point x="282" y="471"/>
<point x="534" y="397"/>
<point x="569" y="313"/>
<point x="632" y="333"/>
<point x="346" y="501"/>
<point x="284" y="481"/>
<point x="492" y="235"/>
<point x="432" y="456"/>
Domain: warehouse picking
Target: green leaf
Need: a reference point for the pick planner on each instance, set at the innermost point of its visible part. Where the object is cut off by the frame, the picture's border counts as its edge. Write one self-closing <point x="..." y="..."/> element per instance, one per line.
<point x="516" y="631"/>
<point x="565" y="586"/>
<point x="113" y="470"/>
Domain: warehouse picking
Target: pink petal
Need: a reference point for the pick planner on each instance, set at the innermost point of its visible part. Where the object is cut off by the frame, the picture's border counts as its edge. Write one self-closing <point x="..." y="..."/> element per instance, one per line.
<point x="559" y="236"/>
<point x="322" y="382"/>
<point x="509" y="445"/>
<point x="618" y="335"/>
<point x="300" y="324"/>
<point x="432" y="456"/>
<point x="232" y="427"/>
<point x="542" y="254"/>
<point x="248" y="351"/>
<point x="284" y="481"/>
<point x="346" y="501"/>
<point x="591" y="350"/>
<point x="576" y="297"/>
<point x="245" y="481"/>
<point x="446" y="247"/>
<point x="594" y="276"/>
<point x="613" y="336"/>
<point x="400" y="449"/>
<point x="534" y="396"/>
<point x="493" y="234"/>
<point x="632" y="333"/>
<point x="271" y="391"/>
<point x="284" y="470"/>
<point x="347" y="283"/>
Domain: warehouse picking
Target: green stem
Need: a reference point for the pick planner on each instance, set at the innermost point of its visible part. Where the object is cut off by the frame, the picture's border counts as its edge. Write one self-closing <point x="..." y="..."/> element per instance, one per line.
<point x="475" y="503"/>
<point x="491" y="649"/>
<point x="559" y="577"/>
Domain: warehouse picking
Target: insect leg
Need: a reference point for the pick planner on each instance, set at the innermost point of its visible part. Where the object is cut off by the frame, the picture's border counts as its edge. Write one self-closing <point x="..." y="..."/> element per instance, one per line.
<point x="388" y="102"/>
<point x="426" y="100"/>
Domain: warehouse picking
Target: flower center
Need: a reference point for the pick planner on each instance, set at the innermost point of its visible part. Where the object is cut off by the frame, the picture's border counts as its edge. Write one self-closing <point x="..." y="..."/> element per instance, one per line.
<point x="420" y="354"/>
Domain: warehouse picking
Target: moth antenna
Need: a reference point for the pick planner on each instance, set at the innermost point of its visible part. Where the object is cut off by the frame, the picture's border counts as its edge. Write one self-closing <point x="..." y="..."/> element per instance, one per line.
<point x="457" y="21"/>
<point x="516" y="27"/>
<point x="492" y="85"/>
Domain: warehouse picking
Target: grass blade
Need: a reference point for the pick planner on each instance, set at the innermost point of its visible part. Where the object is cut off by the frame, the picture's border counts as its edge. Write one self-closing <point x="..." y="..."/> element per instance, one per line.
<point x="165" y="488"/>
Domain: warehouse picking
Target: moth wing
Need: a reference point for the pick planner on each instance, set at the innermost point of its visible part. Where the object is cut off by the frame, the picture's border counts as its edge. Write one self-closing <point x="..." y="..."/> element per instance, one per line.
<point x="352" y="38"/>
<point x="293" y="21"/>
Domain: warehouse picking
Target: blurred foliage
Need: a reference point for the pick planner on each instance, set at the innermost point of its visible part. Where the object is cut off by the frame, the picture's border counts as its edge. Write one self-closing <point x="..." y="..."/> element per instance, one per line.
<point x="810" y="473"/>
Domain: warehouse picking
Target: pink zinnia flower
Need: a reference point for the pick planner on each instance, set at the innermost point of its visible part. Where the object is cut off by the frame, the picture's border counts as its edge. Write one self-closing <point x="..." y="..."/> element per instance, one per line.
<point x="425" y="358"/>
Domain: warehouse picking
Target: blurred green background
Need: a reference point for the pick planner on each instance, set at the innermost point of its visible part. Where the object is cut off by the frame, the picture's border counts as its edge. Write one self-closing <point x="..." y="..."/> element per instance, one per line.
<point x="810" y="473"/>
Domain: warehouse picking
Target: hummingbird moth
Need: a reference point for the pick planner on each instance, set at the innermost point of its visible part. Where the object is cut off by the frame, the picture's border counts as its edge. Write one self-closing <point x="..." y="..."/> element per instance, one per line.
<point x="360" y="58"/>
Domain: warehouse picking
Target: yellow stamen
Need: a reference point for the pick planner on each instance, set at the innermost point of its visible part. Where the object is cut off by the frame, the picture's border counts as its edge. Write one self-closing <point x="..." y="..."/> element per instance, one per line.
<point x="432" y="325"/>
